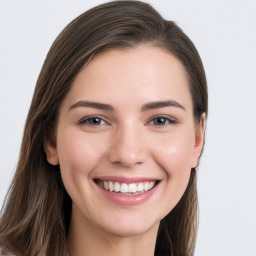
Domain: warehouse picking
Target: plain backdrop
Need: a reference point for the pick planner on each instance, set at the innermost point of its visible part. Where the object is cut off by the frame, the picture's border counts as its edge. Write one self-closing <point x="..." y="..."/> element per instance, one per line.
<point x="224" y="32"/>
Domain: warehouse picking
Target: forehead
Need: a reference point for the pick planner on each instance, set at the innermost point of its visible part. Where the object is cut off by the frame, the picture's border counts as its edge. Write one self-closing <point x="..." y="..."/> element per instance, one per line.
<point x="144" y="73"/>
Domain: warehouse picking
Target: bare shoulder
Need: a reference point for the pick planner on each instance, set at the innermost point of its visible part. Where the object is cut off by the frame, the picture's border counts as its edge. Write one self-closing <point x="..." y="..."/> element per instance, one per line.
<point x="5" y="252"/>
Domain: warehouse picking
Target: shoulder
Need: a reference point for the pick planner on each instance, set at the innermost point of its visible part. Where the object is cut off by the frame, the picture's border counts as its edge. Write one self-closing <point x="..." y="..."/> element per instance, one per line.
<point x="5" y="252"/>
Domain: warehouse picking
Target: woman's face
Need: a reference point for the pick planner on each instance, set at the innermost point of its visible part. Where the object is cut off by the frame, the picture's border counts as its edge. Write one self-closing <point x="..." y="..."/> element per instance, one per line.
<point x="127" y="124"/>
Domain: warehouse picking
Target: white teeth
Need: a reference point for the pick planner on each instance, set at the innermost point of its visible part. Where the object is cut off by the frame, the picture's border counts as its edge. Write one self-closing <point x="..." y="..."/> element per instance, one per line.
<point x="151" y="184"/>
<point x="146" y="186"/>
<point x="110" y="186"/>
<point x="124" y="188"/>
<point x="127" y="188"/>
<point x="132" y="188"/>
<point x="117" y="187"/>
<point x="105" y="185"/>
<point x="140" y="187"/>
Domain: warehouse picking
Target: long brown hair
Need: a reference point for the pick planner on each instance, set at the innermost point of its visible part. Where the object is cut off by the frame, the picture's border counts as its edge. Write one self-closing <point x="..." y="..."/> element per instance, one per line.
<point x="36" y="213"/>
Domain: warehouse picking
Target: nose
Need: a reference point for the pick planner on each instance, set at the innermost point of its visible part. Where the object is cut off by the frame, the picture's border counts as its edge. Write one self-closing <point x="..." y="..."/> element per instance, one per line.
<point x="127" y="147"/>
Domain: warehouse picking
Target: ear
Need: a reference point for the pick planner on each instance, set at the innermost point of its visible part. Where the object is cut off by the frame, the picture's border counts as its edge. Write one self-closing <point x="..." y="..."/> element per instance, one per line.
<point x="51" y="153"/>
<point x="199" y="141"/>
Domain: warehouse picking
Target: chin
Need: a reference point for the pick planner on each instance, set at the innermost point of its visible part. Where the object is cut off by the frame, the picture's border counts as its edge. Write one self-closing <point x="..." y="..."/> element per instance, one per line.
<point x="131" y="231"/>
<point x="130" y="226"/>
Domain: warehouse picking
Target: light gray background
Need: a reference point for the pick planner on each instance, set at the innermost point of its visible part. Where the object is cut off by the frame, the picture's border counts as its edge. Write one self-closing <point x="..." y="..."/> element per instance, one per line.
<point x="224" y="31"/>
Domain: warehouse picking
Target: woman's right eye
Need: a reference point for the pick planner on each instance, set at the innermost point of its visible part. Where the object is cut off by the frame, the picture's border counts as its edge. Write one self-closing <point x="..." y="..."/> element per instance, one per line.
<point x="93" y="121"/>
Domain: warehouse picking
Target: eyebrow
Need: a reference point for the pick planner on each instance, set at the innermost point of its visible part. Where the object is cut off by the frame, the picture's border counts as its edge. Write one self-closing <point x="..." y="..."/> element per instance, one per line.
<point x="162" y="104"/>
<point x="92" y="104"/>
<point x="145" y="107"/>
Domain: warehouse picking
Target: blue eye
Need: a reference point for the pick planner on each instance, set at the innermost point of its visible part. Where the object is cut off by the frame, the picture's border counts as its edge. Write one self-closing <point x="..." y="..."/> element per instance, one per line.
<point x="162" y="121"/>
<point x="94" y="121"/>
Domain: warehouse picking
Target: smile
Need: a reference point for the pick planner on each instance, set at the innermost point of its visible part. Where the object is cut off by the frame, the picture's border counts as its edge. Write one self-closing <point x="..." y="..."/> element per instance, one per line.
<point x="127" y="191"/>
<point x="127" y="188"/>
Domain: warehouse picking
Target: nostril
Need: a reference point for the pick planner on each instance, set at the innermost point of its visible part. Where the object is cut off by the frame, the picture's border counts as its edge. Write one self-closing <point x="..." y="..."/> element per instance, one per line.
<point x="127" y="165"/>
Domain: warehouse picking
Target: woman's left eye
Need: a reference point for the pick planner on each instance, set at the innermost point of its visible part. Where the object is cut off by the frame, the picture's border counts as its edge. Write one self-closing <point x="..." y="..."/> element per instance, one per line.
<point x="93" y="121"/>
<point x="162" y="121"/>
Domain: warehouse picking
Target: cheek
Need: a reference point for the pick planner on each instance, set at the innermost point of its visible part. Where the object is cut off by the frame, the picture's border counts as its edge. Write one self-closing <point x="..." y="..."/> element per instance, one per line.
<point x="76" y="151"/>
<point x="175" y="156"/>
<point x="78" y="156"/>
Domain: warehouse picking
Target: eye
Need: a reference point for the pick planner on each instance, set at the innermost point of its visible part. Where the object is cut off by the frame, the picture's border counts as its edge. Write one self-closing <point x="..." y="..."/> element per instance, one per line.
<point x="93" y="121"/>
<point x="162" y="121"/>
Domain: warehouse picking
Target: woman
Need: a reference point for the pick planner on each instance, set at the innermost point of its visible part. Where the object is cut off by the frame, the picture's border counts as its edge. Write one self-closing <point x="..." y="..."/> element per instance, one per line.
<point x="112" y="139"/>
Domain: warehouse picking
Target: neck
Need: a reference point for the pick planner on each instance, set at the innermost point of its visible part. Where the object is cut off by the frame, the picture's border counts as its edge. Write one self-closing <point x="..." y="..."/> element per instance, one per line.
<point x="85" y="239"/>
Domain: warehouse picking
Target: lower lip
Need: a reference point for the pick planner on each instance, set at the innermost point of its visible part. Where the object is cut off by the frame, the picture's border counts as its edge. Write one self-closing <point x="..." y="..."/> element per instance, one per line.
<point x="128" y="200"/>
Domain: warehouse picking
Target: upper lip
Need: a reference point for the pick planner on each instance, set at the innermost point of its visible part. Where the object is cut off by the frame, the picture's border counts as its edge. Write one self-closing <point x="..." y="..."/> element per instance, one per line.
<point x="125" y="179"/>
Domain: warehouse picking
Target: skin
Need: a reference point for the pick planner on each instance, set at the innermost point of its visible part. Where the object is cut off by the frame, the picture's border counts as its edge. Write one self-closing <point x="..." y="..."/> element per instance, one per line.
<point x="128" y="141"/>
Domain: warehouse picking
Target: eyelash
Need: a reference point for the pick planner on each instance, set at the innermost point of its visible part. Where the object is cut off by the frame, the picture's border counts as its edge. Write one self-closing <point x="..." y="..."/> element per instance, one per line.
<point x="91" y="118"/>
<point x="166" y="119"/>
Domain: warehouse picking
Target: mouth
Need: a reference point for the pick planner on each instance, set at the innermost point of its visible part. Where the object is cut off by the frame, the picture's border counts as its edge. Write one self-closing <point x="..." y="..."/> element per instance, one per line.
<point x="127" y="191"/>
<point x="133" y="188"/>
